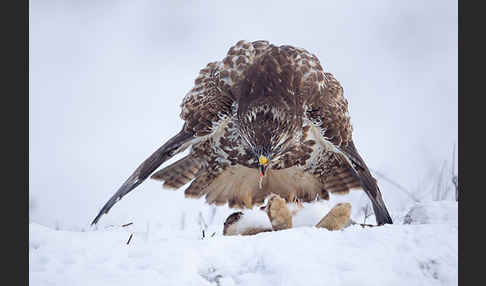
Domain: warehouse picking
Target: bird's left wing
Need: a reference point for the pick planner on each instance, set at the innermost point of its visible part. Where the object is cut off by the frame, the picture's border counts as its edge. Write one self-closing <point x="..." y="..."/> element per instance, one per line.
<point x="359" y="169"/>
<point x="328" y="110"/>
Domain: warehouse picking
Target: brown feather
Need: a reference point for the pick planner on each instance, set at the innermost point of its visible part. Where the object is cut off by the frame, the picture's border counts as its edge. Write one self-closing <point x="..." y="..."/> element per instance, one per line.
<point x="368" y="183"/>
<point x="238" y="185"/>
<point x="337" y="218"/>
<point x="262" y="99"/>
<point x="179" y="173"/>
<point x="261" y="76"/>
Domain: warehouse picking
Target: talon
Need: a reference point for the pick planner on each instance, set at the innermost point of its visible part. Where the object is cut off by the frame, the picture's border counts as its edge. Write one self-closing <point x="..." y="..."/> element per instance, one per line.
<point x="278" y="213"/>
<point x="337" y="218"/>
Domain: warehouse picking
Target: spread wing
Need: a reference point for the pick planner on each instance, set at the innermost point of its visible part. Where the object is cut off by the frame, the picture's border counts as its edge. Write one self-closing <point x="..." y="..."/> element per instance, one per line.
<point x="175" y="145"/>
<point x="338" y="163"/>
<point x="360" y="171"/>
<point x="204" y="108"/>
<point x="210" y="105"/>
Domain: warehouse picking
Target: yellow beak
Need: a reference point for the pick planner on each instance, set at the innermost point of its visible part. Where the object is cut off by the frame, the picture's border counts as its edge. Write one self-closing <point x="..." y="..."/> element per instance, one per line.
<point x="263" y="165"/>
<point x="263" y="160"/>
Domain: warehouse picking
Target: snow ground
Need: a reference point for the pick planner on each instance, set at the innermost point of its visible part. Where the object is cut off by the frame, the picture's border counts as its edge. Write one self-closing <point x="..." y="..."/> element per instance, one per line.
<point x="424" y="252"/>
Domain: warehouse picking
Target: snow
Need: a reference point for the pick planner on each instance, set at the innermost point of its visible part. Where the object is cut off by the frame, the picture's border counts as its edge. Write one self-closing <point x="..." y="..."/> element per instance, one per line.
<point x="399" y="254"/>
<point x="432" y="212"/>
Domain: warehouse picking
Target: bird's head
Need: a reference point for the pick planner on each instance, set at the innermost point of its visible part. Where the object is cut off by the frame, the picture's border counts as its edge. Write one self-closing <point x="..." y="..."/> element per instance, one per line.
<point x="269" y="112"/>
<point x="268" y="130"/>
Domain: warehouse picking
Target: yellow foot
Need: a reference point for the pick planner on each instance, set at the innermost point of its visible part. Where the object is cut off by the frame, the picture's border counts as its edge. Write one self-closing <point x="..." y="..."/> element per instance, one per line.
<point x="278" y="212"/>
<point x="337" y="218"/>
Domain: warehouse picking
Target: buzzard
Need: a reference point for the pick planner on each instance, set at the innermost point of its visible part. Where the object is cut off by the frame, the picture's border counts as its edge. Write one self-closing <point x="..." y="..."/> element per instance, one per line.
<point x="266" y="119"/>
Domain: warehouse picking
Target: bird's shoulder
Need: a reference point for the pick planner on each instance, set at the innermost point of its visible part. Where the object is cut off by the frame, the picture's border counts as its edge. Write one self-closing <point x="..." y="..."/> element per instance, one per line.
<point x="214" y="95"/>
<point x="211" y="99"/>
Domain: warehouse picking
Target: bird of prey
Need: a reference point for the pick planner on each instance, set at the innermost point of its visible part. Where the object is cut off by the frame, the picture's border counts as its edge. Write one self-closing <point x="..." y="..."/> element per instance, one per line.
<point x="265" y="119"/>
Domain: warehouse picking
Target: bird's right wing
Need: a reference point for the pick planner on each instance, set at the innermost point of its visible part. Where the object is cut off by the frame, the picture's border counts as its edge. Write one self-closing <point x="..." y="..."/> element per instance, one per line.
<point x="205" y="107"/>
<point x="175" y="145"/>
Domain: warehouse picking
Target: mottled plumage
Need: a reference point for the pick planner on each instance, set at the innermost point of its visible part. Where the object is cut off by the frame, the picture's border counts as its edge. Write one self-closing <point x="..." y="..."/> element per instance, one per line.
<point x="262" y="100"/>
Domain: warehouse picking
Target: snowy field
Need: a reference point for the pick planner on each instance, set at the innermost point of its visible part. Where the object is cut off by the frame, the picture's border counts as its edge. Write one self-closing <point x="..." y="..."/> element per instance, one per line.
<point x="421" y="251"/>
<point x="106" y="79"/>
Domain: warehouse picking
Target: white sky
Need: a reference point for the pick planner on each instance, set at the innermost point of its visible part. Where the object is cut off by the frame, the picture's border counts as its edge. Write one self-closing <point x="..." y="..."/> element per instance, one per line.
<point x="107" y="79"/>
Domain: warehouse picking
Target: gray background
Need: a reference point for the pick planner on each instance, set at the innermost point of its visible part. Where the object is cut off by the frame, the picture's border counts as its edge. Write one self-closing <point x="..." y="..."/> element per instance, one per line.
<point x="107" y="78"/>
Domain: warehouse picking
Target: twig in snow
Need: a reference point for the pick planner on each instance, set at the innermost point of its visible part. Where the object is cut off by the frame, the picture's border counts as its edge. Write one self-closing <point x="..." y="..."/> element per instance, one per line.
<point x="440" y="190"/>
<point x="204" y="234"/>
<point x="363" y="225"/>
<point x="130" y="238"/>
<point x="127" y="224"/>
<point x="201" y="221"/>
<point x="455" y="182"/>
<point x="367" y="225"/>
<point x="381" y="176"/>
<point x="367" y="212"/>
<point x="453" y="169"/>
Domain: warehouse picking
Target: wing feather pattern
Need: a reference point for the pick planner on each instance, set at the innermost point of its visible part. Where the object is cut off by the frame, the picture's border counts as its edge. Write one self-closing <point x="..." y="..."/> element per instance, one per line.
<point x="218" y="164"/>
<point x="204" y="108"/>
<point x="175" y="145"/>
<point x="327" y="109"/>
<point x="368" y="183"/>
<point x="179" y="173"/>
